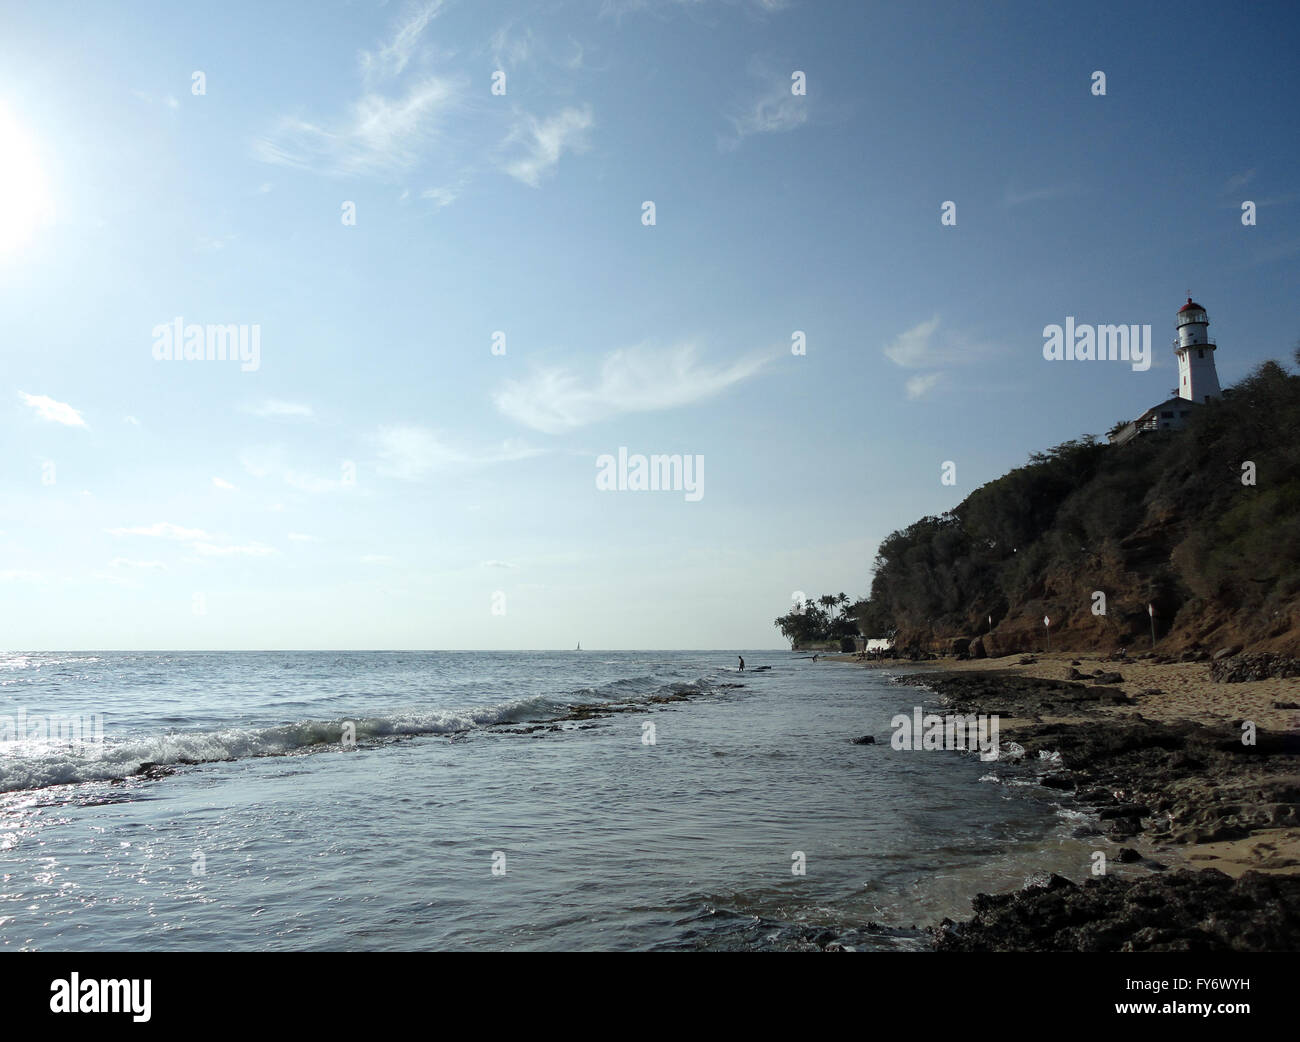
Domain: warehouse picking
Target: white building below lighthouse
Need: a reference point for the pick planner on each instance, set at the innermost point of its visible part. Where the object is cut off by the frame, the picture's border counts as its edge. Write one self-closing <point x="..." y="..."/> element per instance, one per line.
<point x="1198" y="379"/>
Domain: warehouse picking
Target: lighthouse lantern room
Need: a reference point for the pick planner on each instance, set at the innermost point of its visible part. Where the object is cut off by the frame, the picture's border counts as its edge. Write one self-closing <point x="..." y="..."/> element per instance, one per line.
<point x="1198" y="380"/>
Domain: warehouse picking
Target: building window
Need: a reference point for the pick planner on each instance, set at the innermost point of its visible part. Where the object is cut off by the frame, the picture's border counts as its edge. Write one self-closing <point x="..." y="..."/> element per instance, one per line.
<point x="1200" y="354"/>
<point x="1166" y="415"/>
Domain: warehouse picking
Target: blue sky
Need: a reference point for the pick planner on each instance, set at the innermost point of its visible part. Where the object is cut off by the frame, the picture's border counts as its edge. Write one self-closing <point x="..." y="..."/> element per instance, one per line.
<point x="382" y="477"/>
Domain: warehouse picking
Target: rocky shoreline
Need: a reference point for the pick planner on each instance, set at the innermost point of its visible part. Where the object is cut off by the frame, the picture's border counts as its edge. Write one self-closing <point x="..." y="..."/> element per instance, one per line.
<point x="1169" y="785"/>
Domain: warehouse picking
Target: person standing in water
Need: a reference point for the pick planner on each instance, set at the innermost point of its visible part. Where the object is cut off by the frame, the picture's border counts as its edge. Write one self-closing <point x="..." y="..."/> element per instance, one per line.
<point x="742" y="662"/>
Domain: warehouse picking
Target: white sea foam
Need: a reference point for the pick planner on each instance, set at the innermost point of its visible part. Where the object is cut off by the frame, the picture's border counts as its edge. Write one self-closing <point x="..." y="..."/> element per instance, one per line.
<point x="34" y="765"/>
<point x="29" y="765"/>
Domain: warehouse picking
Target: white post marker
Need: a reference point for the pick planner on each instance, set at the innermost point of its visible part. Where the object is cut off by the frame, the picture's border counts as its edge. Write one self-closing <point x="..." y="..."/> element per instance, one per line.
<point x="1048" y="623"/>
<point x="1151" y="610"/>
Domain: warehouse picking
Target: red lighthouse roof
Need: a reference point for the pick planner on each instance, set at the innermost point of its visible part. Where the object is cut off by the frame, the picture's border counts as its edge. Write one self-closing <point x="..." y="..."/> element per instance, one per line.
<point x="1191" y="305"/>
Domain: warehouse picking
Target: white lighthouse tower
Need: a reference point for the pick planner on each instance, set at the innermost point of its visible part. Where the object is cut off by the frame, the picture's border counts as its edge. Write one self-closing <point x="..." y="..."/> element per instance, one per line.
<point x="1198" y="380"/>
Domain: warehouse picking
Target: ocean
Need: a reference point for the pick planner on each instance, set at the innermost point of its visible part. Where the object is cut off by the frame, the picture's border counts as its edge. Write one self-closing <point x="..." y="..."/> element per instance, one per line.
<point x="459" y="800"/>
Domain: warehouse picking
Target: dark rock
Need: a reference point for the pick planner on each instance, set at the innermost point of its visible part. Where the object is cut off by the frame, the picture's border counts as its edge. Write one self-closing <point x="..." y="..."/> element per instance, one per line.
<point x="1253" y="666"/>
<point x="1124" y="810"/>
<point x="1127" y="855"/>
<point x="1228" y="652"/>
<point x="1107" y="678"/>
<point x="1122" y="828"/>
<point x="1064" y="780"/>
<point x="1174" y="911"/>
<point x="866" y="739"/>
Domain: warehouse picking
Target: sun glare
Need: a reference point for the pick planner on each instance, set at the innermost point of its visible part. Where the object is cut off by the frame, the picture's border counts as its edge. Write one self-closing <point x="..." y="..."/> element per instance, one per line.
<point x="24" y="199"/>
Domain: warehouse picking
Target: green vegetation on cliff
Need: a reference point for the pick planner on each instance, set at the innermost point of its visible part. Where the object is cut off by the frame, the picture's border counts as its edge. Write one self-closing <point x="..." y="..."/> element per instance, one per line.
<point x="1171" y="519"/>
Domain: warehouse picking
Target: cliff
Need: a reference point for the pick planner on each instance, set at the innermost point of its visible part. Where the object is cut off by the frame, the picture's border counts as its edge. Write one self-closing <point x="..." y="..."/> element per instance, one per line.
<point x="1202" y="523"/>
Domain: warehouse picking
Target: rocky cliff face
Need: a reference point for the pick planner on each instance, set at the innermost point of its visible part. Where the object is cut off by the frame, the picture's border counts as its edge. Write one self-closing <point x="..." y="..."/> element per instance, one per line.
<point x="1203" y="524"/>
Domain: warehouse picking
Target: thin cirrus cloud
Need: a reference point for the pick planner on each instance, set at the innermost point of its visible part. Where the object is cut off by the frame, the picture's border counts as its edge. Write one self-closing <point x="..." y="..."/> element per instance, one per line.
<point x="380" y="135"/>
<point x="54" y="412"/>
<point x="269" y="461"/>
<point x="384" y="131"/>
<point x="411" y="452"/>
<point x="164" y="530"/>
<point x="275" y="407"/>
<point x="554" y="400"/>
<point x="392" y="58"/>
<point x="1019" y="197"/>
<point x="774" y="109"/>
<point x="545" y="142"/>
<point x="200" y="542"/>
<point x="1237" y="182"/>
<point x="232" y="550"/>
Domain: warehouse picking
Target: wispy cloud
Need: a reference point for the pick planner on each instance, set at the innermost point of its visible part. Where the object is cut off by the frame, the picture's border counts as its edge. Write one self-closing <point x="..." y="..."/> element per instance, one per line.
<point x="385" y="130"/>
<point x="223" y="484"/>
<point x="379" y="135"/>
<point x="55" y="412"/>
<point x="391" y="58"/>
<point x="1239" y="181"/>
<point x="630" y="380"/>
<point x="545" y="141"/>
<point x="927" y="345"/>
<point x="497" y="564"/>
<point x="411" y="452"/>
<point x="510" y="48"/>
<point x="126" y="562"/>
<point x="164" y="530"/>
<point x="443" y="195"/>
<point x="915" y="348"/>
<point x="232" y="550"/>
<point x="619" y="8"/>
<point x="276" y="407"/>
<point x="922" y="384"/>
<point x="772" y="109"/>
<point x="213" y="244"/>
<point x="1018" y="197"/>
<point x="313" y="482"/>
<point x="269" y="461"/>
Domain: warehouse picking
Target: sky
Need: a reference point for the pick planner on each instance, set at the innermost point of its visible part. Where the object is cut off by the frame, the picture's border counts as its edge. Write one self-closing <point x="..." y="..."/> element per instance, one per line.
<point x="479" y="246"/>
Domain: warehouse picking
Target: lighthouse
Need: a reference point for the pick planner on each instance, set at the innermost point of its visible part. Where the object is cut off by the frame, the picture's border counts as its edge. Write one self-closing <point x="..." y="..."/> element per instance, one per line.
<point x="1198" y="380"/>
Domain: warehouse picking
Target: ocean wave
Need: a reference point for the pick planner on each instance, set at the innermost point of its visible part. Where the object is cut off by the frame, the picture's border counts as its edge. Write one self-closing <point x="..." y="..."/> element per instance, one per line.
<point x="35" y="765"/>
